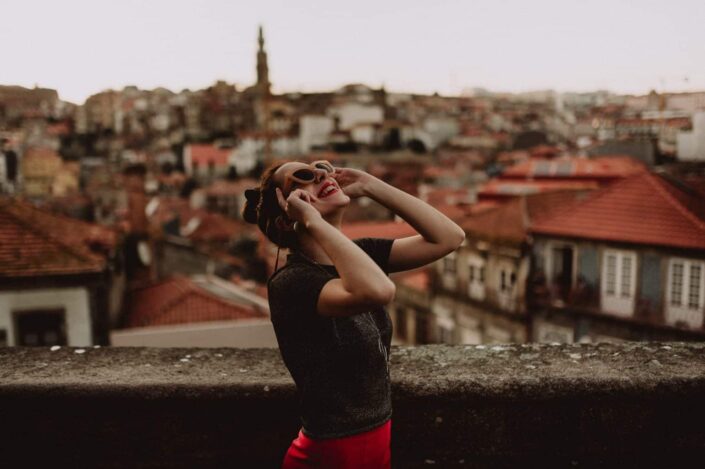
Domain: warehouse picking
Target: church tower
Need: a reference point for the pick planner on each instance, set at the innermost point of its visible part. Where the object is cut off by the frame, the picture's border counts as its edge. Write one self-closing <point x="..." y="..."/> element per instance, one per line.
<point x="263" y="84"/>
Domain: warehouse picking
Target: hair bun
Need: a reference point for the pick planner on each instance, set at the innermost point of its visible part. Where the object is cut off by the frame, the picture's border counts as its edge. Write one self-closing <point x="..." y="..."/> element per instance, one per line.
<point x="249" y="211"/>
<point x="253" y="195"/>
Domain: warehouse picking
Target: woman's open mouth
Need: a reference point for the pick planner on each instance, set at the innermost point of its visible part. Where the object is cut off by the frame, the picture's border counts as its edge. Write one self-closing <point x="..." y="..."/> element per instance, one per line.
<point x="327" y="189"/>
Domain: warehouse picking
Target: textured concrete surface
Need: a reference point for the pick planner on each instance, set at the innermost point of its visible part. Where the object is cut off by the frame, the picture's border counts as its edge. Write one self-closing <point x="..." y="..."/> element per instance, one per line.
<point x="634" y="405"/>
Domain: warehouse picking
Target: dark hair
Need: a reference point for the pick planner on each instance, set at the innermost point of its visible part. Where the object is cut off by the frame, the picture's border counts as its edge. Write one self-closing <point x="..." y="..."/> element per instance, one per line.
<point x="262" y="208"/>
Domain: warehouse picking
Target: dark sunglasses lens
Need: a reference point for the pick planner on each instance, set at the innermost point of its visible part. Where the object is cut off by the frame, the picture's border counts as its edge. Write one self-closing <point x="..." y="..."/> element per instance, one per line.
<point x="304" y="175"/>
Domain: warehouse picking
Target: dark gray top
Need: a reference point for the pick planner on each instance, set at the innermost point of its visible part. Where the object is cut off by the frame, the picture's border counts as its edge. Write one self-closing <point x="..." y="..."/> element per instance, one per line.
<point x="339" y="364"/>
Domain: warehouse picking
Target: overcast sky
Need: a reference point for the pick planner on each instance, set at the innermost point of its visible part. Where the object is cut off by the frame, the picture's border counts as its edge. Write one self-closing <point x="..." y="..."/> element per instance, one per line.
<point x="80" y="47"/>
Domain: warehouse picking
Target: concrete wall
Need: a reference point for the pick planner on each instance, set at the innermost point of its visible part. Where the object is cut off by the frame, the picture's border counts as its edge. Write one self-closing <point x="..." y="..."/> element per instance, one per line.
<point x="504" y="406"/>
<point x="691" y="144"/>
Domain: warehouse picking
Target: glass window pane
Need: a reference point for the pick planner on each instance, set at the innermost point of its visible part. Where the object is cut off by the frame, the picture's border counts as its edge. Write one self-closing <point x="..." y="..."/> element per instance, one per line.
<point x="611" y="274"/>
<point x="676" y="283"/>
<point x="626" y="290"/>
<point x="694" y="286"/>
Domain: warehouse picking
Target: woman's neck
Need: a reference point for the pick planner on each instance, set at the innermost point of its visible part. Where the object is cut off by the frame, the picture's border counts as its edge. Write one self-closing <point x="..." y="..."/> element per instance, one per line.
<point x="308" y="245"/>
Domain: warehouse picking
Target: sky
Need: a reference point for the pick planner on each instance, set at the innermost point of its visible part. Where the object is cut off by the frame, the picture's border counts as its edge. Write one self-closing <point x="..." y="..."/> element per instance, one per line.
<point x="81" y="47"/>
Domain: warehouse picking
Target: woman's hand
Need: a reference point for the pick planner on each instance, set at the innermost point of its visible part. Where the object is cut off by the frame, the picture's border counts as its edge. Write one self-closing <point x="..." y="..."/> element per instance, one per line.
<point x="353" y="182"/>
<point x="297" y="206"/>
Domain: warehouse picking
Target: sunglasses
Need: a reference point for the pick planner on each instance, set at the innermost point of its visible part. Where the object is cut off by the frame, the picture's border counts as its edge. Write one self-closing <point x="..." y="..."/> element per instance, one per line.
<point x="307" y="175"/>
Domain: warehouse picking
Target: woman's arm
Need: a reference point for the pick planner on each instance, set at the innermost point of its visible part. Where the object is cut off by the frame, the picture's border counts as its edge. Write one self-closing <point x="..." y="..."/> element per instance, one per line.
<point x="362" y="284"/>
<point x="438" y="234"/>
<point x="359" y="274"/>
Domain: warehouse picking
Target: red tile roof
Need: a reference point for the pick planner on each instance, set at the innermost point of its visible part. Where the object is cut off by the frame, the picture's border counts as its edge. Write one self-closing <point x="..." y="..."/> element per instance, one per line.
<point x="643" y="209"/>
<point x="34" y="242"/>
<point x="180" y="300"/>
<point x="378" y="229"/>
<point x="418" y="279"/>
<point x="605" y="167"/>
<point x="197" y="224"/>
<point x="214" y="227"/>
<point x="203" y="154"/>
<point x="511" y="221"/>
<point x="501" y="188"/>
<point x="456" y="212"/>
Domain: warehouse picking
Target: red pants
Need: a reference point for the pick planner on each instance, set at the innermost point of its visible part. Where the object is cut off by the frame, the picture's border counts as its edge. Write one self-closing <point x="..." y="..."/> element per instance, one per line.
<point x="368" y="450"/>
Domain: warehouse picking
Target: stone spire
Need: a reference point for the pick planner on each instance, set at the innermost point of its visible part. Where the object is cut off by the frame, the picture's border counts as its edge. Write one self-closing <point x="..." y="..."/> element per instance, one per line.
<point x="262" y="68"/>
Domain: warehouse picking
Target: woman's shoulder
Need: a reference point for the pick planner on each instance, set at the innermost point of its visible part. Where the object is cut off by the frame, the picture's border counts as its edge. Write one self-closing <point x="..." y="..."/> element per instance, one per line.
<point x="294" y="273"/>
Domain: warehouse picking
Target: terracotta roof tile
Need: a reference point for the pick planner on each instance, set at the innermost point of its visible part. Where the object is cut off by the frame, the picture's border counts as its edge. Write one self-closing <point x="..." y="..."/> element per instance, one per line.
<point x="418" y="279"/>
<point x="605" y="167"/>
<point x="515" y="187"/>
<point x="203" y="154"/>
<point x="643" y="209"/>
<point x="36" y="242"/>
<point x="511" y="221"/>
<point x="179" y="300"/>
<point x="378" y="229"/>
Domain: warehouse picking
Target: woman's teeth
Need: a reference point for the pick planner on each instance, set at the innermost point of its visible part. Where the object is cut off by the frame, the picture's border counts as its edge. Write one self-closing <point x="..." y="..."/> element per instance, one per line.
<point x="328" y="190"/>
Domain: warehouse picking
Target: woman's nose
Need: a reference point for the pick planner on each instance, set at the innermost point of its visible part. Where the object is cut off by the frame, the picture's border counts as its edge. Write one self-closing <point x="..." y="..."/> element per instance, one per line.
<point x="320" y="174"/>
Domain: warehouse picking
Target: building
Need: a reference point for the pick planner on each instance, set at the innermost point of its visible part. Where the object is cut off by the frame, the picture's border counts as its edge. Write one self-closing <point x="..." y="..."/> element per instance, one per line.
<point x="411" y="309"/>
<point x="691" y="144"/>
<point x="61" y="280"/>
<point x="201" y="310"/>
<point x="480" y="290"/>
<point x="40" y="167"/>
<point x="207" y="161"/>
<point x="628" y="263"/>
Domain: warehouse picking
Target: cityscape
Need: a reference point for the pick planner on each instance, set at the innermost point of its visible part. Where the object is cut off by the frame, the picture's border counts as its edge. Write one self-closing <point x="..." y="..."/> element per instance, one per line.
<point x="557" y="318"/>
<point x="121" y="216"/>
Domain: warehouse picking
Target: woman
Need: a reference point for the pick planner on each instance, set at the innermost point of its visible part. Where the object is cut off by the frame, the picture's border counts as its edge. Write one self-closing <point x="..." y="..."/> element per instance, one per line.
<point x="327" y="304"/>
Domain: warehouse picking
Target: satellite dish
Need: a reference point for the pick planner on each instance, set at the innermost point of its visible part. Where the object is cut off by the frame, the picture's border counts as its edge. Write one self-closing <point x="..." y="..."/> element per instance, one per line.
<point x="191" y="226"/>
<point x="144" y="253"/>
<point x="151" y="206"/>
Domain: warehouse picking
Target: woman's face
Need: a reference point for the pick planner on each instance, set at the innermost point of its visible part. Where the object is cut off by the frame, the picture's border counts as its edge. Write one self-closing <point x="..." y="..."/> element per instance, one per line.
<point x="324" y="187"/>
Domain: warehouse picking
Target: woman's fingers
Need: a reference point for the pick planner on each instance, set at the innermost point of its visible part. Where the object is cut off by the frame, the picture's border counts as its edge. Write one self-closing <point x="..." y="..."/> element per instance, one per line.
<point x="281" y="199"/>
<point x="303" y="195"/>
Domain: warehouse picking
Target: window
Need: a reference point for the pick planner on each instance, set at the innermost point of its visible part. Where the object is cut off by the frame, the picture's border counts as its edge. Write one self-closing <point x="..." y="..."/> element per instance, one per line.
<point x="611" y="280"/>
<point x="626" y="277"/>
<point x="507" y="279"/>
<point x="694" y="286"/>
<point x="449" y="264"/>
<point x="676" y="283"/>
<point x="686" y="284"/>
<point x="619" y="281"/>
<point x="560" y="269"/>
<point x="619" y="274"/>
<point x="40" y="327"/>
<point x="476" y="276"/>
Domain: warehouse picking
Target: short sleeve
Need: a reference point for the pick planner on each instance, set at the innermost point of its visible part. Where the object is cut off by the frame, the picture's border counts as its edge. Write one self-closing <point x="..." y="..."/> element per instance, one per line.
<point x="378" y="249"/>
<point x="294" y="290"/>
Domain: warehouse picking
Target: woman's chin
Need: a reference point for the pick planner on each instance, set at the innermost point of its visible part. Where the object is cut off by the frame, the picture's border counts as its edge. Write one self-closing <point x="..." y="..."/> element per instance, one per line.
<point x="333" y="203"/>
<point x="339" y="199"/>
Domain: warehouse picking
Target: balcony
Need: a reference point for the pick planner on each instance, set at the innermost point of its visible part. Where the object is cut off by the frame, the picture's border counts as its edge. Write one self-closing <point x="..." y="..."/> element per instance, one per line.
<point x="631" y="405"/>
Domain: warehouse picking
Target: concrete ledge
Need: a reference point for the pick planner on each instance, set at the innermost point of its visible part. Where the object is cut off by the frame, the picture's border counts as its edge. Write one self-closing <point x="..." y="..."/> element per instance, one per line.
<point x="635" y="405"/>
